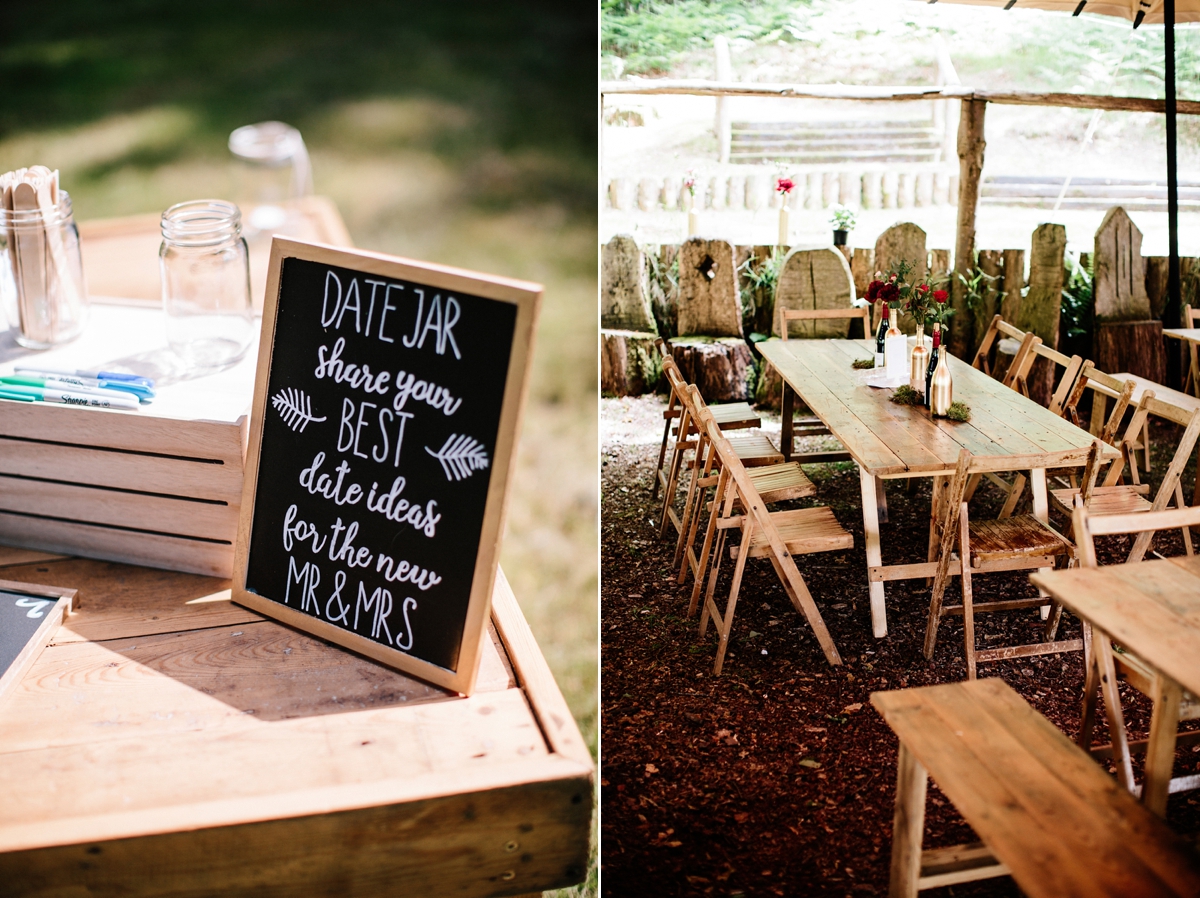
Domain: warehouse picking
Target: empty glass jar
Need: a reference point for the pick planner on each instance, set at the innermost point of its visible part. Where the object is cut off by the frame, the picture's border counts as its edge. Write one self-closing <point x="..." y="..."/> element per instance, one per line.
<point x="205" y="272"/>
<point x="41" y="278"/>
<point x="273" y="170"/>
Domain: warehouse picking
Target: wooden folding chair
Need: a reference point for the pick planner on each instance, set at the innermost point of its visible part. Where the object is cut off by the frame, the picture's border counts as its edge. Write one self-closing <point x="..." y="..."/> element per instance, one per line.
<point x="731" y="415"/>
<point x="774" y="483"/>
<point x="1014" y="489"/>
<point x="810" y="425"/>
<point x="1113" y="497"/>
<point x="1104" y="387"/>
<point x="1018" y="370"/>
<point x="1021" y="542"/>
<point x="754" y="449"/>
<point x="1102" y="664"/>
<point x="779" y="536"/>
<point x="1191" y="318"/>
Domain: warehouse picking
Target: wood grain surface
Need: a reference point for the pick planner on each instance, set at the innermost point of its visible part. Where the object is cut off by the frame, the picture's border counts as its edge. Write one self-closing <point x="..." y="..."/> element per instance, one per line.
<point x="1152" y="608"/>
<point x="170" y="742"/>
<point x="888" y="439"/>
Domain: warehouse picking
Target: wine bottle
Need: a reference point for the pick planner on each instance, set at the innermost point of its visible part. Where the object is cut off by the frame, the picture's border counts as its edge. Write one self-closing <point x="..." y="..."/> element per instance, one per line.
<point x="941" y="388"/>
<point x="933" y="359"/>
<point x="883" y="326"/>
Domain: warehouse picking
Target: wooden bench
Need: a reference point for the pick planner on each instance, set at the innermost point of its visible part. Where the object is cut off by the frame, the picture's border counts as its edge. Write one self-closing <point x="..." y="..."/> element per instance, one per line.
<point x="1046" y="813"/>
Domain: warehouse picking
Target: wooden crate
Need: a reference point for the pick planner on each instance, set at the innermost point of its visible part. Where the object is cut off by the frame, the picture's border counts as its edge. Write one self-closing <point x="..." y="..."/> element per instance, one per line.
<point x="161" y="486"/>
<point x="170" y="742"/>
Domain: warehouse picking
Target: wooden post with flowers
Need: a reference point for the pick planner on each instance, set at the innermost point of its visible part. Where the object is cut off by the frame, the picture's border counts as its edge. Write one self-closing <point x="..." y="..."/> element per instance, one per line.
<point x="783" y="186"/>
<point x="970" y="159"/>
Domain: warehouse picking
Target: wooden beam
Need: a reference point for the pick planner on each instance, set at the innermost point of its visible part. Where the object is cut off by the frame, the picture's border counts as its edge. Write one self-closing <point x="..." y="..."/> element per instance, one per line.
<point x="703" y="88"/>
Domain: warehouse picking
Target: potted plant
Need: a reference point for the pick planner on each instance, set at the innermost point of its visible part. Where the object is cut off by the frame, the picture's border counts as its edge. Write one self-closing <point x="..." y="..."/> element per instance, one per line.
<point x="843" y="223"/>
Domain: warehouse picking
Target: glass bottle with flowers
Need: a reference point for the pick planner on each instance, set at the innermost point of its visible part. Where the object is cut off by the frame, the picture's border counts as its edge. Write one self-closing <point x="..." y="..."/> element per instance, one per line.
<point x="873" y="294"/>
<point x="784" y="186"/>
<point x="939" y="387"/>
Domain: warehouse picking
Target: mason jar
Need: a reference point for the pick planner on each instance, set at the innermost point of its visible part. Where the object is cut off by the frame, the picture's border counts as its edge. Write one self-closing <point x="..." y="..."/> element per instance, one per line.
<point x="205" y="271"/>
<point x="41" y="278"/>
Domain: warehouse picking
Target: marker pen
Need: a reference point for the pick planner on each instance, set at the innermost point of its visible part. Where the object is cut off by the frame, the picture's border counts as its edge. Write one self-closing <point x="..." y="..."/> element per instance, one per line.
<point x="70" y="398"/>
<point x="45" y="383"/>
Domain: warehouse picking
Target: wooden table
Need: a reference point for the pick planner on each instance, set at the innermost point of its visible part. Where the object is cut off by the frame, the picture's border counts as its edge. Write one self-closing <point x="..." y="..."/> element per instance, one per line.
<point x="1152" y="608"/>
<point x="170" y="742"/>
<point x="888" y="440"/>
<point x="1188" y="335"/>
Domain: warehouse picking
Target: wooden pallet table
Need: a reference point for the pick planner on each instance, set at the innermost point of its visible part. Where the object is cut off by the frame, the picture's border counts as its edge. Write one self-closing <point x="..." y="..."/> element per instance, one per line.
<point x="890" y="441"/>
<point x="170" y="742"/>
<point x="1151" y="608"/>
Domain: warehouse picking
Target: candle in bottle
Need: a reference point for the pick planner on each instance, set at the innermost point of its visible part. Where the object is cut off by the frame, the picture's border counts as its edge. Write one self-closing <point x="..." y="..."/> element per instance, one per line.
<point x="895" y="351"/>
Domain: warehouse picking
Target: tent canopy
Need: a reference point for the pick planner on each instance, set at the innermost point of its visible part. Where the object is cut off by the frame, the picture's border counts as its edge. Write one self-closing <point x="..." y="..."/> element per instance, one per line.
<point x="1185" y="10"/>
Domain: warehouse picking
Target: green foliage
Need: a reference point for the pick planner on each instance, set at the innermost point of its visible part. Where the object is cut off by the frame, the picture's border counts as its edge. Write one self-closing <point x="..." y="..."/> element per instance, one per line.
<point x="758" y="280"/>
<point x="1075" y="322"/>
<point x="959" y="411"/>
<point x="664" y="293"/>
<point x="649" y="36"/>
<point x="843" y="218"/>
<point x="974" y="286"/>
<point x="863" y="363"/>
<point x="906" y="395"/>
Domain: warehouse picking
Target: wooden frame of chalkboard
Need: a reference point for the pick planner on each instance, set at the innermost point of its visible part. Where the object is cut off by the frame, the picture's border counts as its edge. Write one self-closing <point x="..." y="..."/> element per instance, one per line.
<point x="380" y="455"/>
<point x="47" y="604"/>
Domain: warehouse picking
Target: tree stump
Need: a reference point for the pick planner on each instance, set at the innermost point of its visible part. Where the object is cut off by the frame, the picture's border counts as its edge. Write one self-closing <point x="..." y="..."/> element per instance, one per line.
<point x="629" y="363"/>
<point x="814" y="279"/>
<point x="902" y="242"/>
<point x="719" y="368"/>
<point x="991" y="263"/>
<point x="1118" y="272"/>
<point x="862" y="266"/>
<point x="1039" y="309"/>
<point x="624" y="290"/>
<point x="708" y="294"/>
<point x="1132" y="347"/>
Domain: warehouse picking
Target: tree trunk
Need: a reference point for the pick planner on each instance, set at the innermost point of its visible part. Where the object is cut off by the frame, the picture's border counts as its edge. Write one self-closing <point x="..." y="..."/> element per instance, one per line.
<point x="629" y="363"/>
<point x="720" y="369"/>
<point x="970" y="166"/>
<point x="1132" y="347"/>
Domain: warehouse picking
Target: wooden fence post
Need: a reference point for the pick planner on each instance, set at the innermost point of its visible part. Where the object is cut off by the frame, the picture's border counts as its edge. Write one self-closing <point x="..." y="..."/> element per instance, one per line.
<point x="970" y="162"/>
<point x="724" y="128"/>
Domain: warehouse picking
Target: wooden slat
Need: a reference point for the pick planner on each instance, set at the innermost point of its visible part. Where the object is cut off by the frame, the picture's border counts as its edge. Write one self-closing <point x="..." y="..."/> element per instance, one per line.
<point x="188" y="555"/>
<point x="14" y="556"/>
<point x="1044" y="808"/>
<point x="124" y="470"/>
<point x="141" y="433"/>
<point x="120" y="508"/>
<point x="802" y="530"/>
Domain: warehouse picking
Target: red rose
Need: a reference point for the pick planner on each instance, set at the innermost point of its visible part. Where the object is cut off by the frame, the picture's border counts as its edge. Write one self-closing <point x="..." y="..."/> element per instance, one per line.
<point x="783" y="185"/>
<point x="940" y="295"/>
<point x="873" y="289"/>
<point x="924" y="288"/>
<point x="889" y="292"/>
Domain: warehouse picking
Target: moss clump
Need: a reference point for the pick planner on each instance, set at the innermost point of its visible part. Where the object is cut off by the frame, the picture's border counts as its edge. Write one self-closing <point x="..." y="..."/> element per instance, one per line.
<point x="906" y="395"/>
<point x="863" y="363"/>
<point x="959" y="411"/>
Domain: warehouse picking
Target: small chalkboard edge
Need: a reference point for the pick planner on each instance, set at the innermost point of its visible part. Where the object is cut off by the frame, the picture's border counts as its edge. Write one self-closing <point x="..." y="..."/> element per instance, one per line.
<point x="53" y="620"/>
<point x="527" y="296"/>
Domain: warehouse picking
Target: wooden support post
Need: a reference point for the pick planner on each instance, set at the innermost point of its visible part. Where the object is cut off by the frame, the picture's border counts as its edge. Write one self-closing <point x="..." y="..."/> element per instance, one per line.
<point x="723" y="126"/>
<point x="970" y="159"/>
<point x="908" y="825"/>
<point x="1160" y="751"/>
<point x="874" y="552"/>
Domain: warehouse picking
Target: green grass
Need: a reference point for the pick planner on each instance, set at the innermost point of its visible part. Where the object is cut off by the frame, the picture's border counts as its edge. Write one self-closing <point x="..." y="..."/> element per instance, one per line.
<point x="459" y="133"/>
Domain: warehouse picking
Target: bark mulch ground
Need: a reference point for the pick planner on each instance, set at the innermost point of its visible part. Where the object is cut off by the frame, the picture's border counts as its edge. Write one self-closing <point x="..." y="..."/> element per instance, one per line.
<point x="778" y="777"/>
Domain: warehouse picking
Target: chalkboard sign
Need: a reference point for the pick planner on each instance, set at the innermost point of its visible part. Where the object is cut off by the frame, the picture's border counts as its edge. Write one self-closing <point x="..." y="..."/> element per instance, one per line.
<point x="386" y="406"/>
<point x="29" y="615"/>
